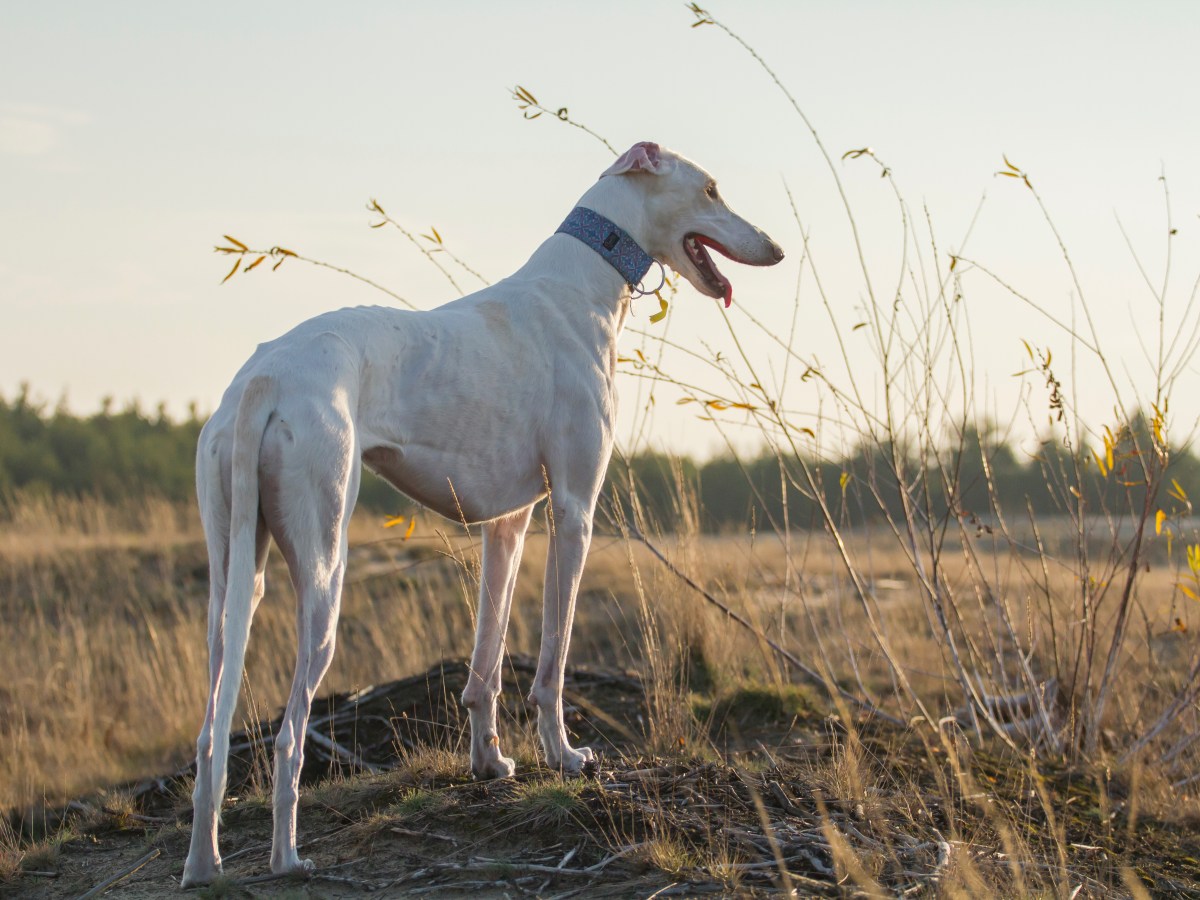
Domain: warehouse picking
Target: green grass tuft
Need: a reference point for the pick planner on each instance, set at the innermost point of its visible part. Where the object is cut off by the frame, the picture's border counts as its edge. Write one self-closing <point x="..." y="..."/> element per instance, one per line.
<point x="752" y="705"/>
<point x="550" y="802"/>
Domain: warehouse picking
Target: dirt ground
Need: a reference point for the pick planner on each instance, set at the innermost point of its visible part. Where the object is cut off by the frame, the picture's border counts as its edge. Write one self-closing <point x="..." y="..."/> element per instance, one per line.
<point x="778" y="796"/>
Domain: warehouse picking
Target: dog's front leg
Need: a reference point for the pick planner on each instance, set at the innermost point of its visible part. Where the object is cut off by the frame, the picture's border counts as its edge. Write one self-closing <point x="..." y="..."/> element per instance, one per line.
<point x="570" y="524"/>
<point x="503" y="540"/>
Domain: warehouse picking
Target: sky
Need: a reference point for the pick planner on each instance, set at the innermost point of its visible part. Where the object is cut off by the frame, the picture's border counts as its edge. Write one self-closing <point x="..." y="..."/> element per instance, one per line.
<point x="134" y="134"/>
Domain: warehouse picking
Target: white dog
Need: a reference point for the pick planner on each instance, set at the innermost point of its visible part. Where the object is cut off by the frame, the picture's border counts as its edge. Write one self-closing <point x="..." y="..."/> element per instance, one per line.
<point x="477" y="409"/>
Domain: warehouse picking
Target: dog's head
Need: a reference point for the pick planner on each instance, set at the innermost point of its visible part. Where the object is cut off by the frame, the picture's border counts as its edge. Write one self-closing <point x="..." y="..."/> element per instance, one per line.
<point x="686" y="215"/>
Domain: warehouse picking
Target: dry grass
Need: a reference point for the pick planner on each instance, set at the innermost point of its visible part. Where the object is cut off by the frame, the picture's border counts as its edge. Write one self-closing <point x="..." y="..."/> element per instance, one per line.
<point x="107" y="680"/>
<point x="107" y="686"/>
<point x="37" y="525"/>
<point x="757" y="787"/>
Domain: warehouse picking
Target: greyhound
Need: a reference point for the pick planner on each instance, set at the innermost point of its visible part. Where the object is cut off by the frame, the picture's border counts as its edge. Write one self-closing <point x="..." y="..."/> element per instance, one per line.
<point x="478" y="410"/>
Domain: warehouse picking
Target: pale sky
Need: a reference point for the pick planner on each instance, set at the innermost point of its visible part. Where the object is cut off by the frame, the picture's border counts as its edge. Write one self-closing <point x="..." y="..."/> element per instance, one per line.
<point x="134" y="134"/>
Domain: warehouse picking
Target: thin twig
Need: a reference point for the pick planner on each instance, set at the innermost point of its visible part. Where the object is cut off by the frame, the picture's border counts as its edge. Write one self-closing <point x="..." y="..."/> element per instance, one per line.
<point x="120" y="876"/>
<point x="783" y="654"/>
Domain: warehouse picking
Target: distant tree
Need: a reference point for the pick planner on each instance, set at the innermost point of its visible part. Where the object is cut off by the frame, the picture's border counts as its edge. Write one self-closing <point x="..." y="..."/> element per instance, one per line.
<point x="131" y="453"/>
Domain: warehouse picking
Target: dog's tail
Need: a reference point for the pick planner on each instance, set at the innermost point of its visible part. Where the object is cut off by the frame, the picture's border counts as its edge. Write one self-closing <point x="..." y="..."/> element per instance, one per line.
<point x="254" y="410"/>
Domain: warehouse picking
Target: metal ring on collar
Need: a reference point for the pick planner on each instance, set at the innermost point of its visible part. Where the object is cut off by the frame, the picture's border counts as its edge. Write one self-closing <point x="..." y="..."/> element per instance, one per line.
<point x="639" y="291"/>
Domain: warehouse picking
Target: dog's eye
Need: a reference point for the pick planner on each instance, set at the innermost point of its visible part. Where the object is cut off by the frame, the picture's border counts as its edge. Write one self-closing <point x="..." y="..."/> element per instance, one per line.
<point x="711" y="190"/>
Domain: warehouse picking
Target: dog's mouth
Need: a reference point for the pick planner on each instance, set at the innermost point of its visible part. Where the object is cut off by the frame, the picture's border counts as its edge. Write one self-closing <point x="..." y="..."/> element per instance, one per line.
<point x="715" y="284"/>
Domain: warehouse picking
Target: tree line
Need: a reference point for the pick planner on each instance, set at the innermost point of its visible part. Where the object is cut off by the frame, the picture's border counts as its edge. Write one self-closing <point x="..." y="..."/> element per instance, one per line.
<point x="115" y="454"/>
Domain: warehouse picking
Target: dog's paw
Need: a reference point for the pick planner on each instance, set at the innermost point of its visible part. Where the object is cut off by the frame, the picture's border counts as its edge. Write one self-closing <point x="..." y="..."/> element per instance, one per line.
<point x="581" y="761"/>
<point x="499" y="767"/>
<point x="199" y="874"/>
<point x="293" y="865"/>
<point x="591" y="766"/>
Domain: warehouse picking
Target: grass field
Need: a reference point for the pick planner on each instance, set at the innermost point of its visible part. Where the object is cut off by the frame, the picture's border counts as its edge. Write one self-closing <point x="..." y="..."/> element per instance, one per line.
<point x="724" y="769"/>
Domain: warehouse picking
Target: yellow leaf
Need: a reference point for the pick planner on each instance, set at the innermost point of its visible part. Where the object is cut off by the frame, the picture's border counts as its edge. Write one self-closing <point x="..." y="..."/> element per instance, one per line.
<point x="393" y="521"/>
<point x="1159" y="518"/>
<point x="284" y="252"/>
<point x="662" y="311"/>
<point x="683" y="400"/>
<point x="1187" y="590"/>
<point x="253" y="264"/>
<point x="435" y="234"/>
<point x="1028" y="349"/>
<point x="231" y="271"/>
<point x="1179" y="492"/>
<point x="1100" y="464"/>
<point x="412" y="524"/>
<point x="236" y="243"/>
<point x="843" y="481"/>
<point x="641" y="355"/>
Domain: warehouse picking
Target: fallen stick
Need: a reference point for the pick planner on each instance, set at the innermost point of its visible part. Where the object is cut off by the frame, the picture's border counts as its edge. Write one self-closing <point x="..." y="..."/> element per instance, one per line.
<point x="345" y="753"/>
<point x="120" y="876"/>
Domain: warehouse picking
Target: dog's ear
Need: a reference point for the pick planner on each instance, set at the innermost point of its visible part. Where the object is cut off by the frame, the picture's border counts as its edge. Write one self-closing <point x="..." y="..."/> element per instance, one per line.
<point x="645" y="156"/>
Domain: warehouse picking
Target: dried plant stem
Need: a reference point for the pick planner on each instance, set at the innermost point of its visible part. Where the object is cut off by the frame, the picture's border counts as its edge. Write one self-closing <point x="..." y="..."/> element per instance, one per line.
<point x="791" y="659"/>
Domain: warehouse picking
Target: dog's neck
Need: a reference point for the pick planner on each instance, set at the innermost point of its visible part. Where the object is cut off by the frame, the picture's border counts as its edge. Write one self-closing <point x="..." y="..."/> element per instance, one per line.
<point x="622" y="200"/>
<point x="587" y="275"/>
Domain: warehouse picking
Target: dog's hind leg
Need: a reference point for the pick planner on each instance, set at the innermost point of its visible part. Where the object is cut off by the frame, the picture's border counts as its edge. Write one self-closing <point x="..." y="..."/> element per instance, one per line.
<point x="308" y="510"/>
<point x="204" y="859"/>
<point x="503" y="540"/>
<point x="236" y="584"/>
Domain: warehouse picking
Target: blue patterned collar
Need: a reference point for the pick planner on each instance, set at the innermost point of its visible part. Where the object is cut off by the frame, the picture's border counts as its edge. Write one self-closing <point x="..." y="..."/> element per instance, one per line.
<point x="611" y="241"/>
